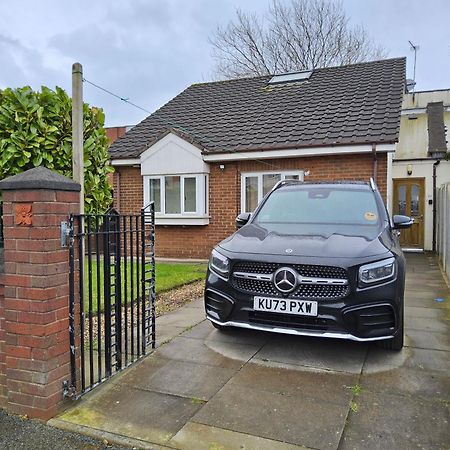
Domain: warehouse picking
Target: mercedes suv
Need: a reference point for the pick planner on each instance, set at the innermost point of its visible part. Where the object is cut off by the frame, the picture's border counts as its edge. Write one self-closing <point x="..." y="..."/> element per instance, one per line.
<point x="314" y="259"/>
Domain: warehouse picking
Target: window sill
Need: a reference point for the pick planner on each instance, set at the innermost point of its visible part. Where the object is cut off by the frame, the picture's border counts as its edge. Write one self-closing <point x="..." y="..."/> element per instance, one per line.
<point x="181" y="220"/>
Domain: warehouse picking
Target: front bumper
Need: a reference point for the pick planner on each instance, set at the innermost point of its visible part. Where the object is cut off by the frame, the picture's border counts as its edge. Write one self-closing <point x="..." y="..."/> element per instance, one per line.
<point x="363" y="315"/>
<point x="297" y="332"/>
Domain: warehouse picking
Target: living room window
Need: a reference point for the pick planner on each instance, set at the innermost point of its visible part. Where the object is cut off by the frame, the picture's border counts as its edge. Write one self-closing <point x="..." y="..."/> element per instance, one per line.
<point x="179" y="199"/>
<point x="254" y="186"/>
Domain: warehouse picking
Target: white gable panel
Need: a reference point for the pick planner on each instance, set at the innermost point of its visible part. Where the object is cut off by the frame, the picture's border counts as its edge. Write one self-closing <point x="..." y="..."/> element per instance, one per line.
<point x="172" y="155"/>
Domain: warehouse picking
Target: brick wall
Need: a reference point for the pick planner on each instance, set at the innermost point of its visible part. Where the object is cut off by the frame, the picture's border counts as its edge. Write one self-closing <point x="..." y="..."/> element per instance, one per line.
<point x="34" y="304"/>
<point x="2" y="342"/>
<point x="224" y="196"/>
<point x="114" y="133"/>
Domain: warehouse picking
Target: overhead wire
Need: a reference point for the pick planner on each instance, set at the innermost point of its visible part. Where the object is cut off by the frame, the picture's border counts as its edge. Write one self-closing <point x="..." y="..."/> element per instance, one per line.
<point x="181" y="128"/>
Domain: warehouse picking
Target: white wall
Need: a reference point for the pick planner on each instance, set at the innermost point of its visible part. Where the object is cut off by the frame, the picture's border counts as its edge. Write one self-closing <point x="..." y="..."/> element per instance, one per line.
<point x="172" y="155"/>
<point x="424" y="169"/>
<point x="413" y="137"/>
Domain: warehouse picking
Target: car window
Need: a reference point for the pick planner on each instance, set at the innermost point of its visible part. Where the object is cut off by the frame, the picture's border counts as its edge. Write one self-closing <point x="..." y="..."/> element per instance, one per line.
<point x="337" y="209"/>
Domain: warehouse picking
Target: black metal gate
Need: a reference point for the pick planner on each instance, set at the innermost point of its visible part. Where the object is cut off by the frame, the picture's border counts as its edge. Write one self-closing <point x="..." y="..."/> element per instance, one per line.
<point x="111" y="294"/>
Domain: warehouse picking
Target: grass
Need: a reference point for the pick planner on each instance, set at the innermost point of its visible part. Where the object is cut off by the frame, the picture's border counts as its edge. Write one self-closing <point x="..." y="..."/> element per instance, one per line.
<point x="356" y="389"/>
<point x="354" y="407"/>
<point x="168" y="276"/>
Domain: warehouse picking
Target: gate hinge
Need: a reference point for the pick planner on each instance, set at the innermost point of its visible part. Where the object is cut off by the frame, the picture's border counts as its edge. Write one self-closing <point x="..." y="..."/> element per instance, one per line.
<point x="66" y="233"/>
<point x="69" y="390"/>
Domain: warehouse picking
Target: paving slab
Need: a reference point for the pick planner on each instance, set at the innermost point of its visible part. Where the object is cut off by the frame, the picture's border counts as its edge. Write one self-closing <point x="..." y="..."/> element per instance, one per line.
<point x="407" y="380"/>
<point x="197" y="303"/>
<point x="315" y="353"/>
<point x="429" y="339"/>
<point x="226" y="355"/>
<point x="204" y="437"/>
<point x="207" y="332"/>
<point x="323" y="386"/>
<point x="385" y="421"/>
<point x="133" y="413"/>
<point x="426" y="324"/>
<point x="287" y="418"/>
<point x="416" y="299"/>
<point x="427" y="359"/>
<point x="183" y="317"/>
<point x="186" y="379"/>
<point x="166" y="333"/>
<point x="420" y="312"/>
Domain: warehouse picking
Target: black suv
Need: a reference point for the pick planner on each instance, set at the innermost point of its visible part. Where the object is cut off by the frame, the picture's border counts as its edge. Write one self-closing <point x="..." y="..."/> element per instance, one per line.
<point x="314" y="259"/>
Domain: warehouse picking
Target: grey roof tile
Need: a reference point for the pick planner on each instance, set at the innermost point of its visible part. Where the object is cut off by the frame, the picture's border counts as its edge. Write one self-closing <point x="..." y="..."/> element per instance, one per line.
<point x="351" y="104"/>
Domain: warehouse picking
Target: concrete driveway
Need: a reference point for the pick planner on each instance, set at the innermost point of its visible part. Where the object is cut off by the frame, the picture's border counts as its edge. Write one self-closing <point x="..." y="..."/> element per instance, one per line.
<point x="251" y="390"/>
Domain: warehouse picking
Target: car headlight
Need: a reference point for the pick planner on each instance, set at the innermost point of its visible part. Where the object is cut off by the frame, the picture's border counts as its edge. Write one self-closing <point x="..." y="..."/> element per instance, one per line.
<point x="219" y="264"/>
<point x="376" y="272"/>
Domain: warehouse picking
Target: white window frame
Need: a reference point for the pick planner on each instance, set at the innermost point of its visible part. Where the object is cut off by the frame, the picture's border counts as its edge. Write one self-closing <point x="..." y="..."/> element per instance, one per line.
<point x="259" y="175"/>
<point x="198" y="217"/>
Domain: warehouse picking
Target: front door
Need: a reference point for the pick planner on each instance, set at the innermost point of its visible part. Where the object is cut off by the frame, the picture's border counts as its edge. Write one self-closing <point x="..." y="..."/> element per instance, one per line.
<point x="409" y="199"/>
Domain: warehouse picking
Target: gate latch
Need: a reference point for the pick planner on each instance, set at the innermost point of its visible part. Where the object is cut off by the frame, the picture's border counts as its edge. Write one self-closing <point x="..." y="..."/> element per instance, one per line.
<point x="68" y="390"/>
<point x="66" y="232"/>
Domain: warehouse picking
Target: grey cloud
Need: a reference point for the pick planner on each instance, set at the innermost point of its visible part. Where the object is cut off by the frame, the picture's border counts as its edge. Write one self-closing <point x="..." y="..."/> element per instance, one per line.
<point x="22" y="65"/>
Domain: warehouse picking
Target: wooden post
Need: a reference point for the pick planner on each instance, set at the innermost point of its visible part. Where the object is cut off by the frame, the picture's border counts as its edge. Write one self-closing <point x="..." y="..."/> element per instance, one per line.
<point x="77" y="129"/>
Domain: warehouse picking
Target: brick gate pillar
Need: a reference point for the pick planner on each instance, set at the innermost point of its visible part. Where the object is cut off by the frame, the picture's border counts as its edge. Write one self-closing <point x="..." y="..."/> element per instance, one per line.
<point x="36" y="290"/>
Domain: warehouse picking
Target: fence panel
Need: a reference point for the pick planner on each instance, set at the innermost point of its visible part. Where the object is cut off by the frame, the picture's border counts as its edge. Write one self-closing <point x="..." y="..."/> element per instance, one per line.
<point x="443" y="226"/>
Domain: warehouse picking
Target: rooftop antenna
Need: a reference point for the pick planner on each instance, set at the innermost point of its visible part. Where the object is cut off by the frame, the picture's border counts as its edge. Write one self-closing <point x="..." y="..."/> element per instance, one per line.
<point x="414" y="48"/>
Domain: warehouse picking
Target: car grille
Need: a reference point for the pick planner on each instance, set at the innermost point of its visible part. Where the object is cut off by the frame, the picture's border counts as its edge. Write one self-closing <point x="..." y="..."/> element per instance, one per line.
<point x="289" y="320"/>
<point x="305" y="270"/>
<point x="303" y="291"/>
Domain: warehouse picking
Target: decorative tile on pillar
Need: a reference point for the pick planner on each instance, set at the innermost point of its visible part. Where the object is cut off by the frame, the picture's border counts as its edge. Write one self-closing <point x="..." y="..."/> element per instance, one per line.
<point x="24" y="214"/>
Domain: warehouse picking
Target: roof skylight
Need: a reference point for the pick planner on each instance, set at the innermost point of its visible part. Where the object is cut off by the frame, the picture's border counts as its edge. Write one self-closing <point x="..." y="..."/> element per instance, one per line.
<point x="291" y="77"/>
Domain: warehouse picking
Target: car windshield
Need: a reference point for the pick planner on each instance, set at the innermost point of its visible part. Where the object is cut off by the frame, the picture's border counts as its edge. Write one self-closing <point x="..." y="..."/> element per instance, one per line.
<point x="321" y="210"/>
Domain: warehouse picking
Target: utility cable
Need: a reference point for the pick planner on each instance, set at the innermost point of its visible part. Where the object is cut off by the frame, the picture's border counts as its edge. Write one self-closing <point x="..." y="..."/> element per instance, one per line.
<point x="181" y="128"/>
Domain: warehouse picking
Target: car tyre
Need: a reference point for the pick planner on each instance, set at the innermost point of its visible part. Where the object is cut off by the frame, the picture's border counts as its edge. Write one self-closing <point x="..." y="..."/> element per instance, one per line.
<point x="396" y="343"/>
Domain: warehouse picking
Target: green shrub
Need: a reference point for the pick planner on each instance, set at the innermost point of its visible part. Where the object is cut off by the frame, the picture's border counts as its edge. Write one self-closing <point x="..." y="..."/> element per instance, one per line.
<point x="36" y="130"/>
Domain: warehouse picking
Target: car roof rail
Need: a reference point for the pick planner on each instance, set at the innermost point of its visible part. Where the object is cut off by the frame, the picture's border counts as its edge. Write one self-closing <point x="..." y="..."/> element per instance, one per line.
<point x="284" y="183"/>
<point x="281" y="183"/>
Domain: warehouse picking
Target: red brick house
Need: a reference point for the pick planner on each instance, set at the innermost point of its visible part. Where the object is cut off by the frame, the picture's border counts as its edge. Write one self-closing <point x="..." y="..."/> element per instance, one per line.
<point x="217" y="148"/>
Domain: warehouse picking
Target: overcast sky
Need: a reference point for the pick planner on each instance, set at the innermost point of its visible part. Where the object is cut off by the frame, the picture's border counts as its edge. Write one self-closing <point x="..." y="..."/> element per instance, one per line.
<point x="150" y="50"/>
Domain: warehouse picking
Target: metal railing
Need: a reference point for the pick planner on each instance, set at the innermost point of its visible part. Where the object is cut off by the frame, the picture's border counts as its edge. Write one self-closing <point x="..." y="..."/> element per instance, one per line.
<point x="112" y="294"/>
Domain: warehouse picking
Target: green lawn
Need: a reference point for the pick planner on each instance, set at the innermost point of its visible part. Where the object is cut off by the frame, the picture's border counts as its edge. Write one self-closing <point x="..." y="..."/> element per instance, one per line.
<point x="168" y="276"/>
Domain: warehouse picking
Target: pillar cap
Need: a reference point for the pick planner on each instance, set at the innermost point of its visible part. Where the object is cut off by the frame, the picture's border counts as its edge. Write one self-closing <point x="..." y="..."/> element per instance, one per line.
<point x="39" y="178"/>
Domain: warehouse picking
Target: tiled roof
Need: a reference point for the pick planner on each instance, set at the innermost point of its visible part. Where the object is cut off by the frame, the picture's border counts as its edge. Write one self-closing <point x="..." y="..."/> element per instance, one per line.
<point x="354" y="104"/>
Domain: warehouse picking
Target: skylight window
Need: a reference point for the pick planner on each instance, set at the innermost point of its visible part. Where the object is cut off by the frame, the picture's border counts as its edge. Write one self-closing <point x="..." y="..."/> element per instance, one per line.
<point x="291" y="77"/>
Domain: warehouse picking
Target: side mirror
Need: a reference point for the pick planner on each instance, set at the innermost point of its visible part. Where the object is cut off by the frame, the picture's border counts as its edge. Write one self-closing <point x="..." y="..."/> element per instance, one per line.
<point x="402" y="222"/>
<point x="242" y="219"/>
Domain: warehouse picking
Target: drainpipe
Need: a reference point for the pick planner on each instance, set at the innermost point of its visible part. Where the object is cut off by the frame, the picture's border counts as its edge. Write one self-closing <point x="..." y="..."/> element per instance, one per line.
<point x="435" y="164"/>
<point x="375" y="163"/>
<point x="118" y="194"/>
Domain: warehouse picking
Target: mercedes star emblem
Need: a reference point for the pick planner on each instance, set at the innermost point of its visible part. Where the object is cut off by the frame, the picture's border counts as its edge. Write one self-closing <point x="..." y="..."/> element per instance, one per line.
<point x="285" y="280"/>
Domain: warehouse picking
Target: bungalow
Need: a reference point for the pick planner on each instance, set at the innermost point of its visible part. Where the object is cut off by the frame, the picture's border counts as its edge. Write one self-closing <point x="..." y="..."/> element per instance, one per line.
<point x="217" y="148"/>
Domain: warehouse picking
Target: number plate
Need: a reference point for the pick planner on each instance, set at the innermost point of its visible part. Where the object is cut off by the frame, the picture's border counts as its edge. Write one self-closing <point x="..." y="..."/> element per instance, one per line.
<point x="285" y="306"/>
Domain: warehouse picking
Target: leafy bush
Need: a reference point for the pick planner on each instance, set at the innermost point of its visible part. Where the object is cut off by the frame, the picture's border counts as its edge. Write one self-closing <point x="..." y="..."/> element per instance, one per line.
<point x="36" y="130"/>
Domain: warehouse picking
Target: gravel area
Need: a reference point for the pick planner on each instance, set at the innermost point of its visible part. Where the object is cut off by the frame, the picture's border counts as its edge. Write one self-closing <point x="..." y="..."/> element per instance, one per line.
<point x="165" y="303"/>
<point x="19" y="433"/>
<point x="173" y="299"/>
